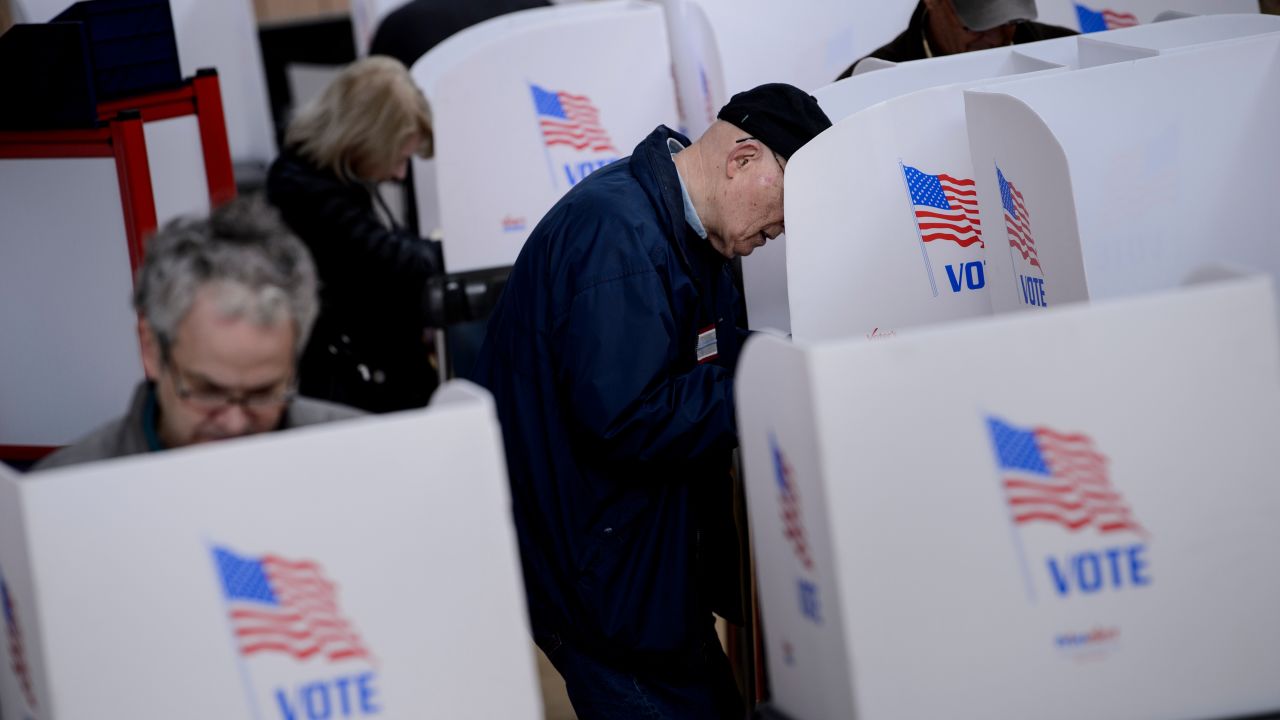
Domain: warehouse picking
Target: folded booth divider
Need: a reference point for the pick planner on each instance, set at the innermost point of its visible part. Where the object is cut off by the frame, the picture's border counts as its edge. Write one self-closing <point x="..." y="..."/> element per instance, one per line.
<point x="79" y="205"/>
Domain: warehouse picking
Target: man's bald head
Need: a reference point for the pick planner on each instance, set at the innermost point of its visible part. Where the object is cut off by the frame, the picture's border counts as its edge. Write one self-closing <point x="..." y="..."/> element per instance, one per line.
<point x="734" y="172"/>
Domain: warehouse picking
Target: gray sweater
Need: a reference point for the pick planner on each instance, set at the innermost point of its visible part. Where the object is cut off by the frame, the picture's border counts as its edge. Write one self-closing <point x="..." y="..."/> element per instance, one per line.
<point x="127" y="436"/>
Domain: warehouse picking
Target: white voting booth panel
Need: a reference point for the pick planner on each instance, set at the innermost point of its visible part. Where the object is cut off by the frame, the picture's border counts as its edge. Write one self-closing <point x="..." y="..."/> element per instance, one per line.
<point x="1109" y="181"/>
<point x="1089" y="16"/>
<point x="1061" y="516"/>
<point x="883" y="227"/>
<point x="1189" y="32"/>
<point x="361" y="569"/>
<point x="505" y="155"/>
<point x="695" y="63"/>
<point x="365" y="16"/>
<point x="806" y="46"/>
<point x="845" y="97"/>
<point x="827" y="169"/>
<point x="64" y="288"/>
<point x="175" y="158"/>
<point x="850" y="95"/>
<point x="224" y="35"/>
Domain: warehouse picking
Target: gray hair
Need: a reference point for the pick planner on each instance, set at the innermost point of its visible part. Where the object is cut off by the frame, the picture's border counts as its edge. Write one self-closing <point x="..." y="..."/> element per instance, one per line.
<point x="261" y="271"/>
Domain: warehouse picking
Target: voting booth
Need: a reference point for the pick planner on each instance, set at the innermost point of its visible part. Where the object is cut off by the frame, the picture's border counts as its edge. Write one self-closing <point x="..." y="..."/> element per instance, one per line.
<point x="505" y="155"/>
<point x="882" y="216"/>
<point x="1090" y="16"/>
<point x="359" y="569"/>
<point x="365" y="16"/>
<point x="221" y="35"/>
<point x="695" y="65"/>
<point x="1136" y="192"/>
<point x="764" y="41"/>
<point x="879" y="207"/>
<point x="78" y="206"/>
<point x="1063" y="515"/>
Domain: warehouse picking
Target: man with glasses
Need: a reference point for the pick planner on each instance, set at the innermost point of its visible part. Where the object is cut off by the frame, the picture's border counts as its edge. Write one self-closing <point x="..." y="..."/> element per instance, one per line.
<point x="224" y="307"/>
<point x="949" y="27"/>
<point x="611" y="356"/>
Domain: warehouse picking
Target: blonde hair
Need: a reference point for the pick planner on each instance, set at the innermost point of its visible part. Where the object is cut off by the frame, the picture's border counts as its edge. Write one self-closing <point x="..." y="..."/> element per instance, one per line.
<point x="363" y="119"/>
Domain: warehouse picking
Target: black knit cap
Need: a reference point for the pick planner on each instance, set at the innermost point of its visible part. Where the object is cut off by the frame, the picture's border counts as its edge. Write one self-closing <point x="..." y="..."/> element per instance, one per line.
<point x="781" y="116"/>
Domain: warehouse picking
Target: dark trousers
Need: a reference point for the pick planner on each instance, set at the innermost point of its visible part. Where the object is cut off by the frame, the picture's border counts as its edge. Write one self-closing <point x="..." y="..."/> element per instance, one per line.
<point x="703" y="689"/>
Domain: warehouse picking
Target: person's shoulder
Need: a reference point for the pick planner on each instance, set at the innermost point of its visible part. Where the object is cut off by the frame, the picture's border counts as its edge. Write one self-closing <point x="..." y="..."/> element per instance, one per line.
<point x="293" y="173"/>
<point x="106" y="442"/>
<point x="310" y="411"/>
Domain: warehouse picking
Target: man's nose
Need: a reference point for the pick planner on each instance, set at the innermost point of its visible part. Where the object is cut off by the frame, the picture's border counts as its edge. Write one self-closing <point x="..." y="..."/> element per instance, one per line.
<point x="234" y="420"/>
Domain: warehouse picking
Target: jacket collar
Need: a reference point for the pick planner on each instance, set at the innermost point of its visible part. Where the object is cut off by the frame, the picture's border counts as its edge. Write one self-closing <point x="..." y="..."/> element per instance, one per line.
<point x="652" y="166"/>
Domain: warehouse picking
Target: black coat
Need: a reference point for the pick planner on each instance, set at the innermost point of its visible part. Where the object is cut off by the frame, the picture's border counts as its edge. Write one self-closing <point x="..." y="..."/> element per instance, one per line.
<point x="910" y="44"/>
<point x="618" y="438"/>
<point x="367" y="348"/>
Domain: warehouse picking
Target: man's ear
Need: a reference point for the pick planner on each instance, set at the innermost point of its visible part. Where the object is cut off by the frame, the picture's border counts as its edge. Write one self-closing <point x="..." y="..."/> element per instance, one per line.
<point x="150" y="346"/>
<point x="741" y="155"/>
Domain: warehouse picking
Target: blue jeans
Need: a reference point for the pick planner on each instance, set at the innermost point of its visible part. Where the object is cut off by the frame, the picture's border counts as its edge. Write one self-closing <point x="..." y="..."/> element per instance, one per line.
<point x="600" y="690"/>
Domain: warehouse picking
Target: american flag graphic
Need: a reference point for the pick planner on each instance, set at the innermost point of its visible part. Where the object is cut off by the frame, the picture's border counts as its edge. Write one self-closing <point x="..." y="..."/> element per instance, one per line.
<point x="570" y="120"/>
<point x="1099" y="20"/>
<point x="285" y="606"/>
<point x="1058" y="478"/>
<point x="946" y="207"/>
<point x="1017" y="223"/>
<point x="17" y="652"/>
<point x="789" y="503"/>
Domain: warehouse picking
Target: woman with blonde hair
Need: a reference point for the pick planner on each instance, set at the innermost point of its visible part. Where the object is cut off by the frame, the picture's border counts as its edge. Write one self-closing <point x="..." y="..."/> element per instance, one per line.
<point x="368" y="347"/>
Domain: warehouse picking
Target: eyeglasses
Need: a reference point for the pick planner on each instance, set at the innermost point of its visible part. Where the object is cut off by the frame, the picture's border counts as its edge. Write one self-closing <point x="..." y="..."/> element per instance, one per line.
<point x="213" y="399"/>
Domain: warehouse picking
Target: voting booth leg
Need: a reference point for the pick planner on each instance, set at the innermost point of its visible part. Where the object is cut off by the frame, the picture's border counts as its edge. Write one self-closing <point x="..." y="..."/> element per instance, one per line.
<point x="130" y="149"/>
<point x="213" y="137"/>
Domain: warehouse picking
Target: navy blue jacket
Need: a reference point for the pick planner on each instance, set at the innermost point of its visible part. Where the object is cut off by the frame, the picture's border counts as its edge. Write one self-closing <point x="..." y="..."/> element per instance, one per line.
<point x="618" y="440"/>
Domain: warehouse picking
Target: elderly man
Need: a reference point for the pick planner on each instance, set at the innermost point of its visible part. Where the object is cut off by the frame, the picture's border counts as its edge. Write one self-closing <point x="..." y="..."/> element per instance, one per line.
<point x="224" y="307"/>
<point x="611" y="356"/>
<point x="949" y="27"/>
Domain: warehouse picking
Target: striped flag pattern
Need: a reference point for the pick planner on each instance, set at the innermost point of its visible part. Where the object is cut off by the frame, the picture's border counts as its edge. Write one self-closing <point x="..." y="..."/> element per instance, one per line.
<point x="570" y="120"/>
<point x="1017" y="222"/>
<point x="285" y="606"/>
<point x="789" y="504"/>
<point x="17" y="651"/>
<point x="1058" y="478"/>
<point x="1099" y="20"/>
<point x="946" y="207"/>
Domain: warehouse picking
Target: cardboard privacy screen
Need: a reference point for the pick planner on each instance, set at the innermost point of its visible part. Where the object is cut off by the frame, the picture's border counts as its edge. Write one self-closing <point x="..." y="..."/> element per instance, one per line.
<point x="1138" y="191"/>
<point x="1091" y="16"/>
<point x="1063" y="515"/>
<point x="505" y="155"/>
<point x="365" y="569"/>
<point x="882" y="209"/>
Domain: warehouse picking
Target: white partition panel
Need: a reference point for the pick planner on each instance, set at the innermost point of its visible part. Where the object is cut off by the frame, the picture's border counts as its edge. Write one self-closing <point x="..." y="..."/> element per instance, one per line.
<point x="1110" y="181"/>
<point x="69" y="350"/>
<point x="176" y="160"/>
<point x="1060" y="516"/>
<point x="505" y="155"/>
<point x="695" y="62"/>
<point x="845" y="97"/>
<point x="365" y="16"/>
<point x="808" y="46"/>
<point x="883" y="223"/>
<point x="278" y="577"/>
<point x="1190" y="32"/>
<point x="224" y="35"/>
<point x="1091" y="16"/>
